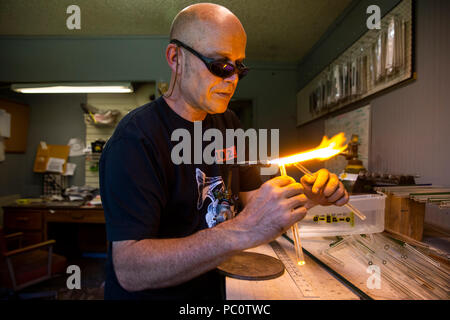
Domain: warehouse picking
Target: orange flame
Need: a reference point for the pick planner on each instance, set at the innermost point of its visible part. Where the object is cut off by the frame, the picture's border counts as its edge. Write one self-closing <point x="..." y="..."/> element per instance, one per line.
<point x="328" y="148"/>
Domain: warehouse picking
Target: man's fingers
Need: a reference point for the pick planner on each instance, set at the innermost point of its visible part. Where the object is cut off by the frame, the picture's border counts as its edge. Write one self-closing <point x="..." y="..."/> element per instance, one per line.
<point x="310" y="204"/>
<point x="332" y="185"/>
<point x="342" y="201"/>
<point x="318" y="179"/>
<point x="308" y="179"/>
<point x="281" y="181"/>
<point x="337" y="194"/>
<point x="322" y="178"/>
<point x="293" y="190"/>
<point x="297" y="201"/>
<point x="298" y="214"/>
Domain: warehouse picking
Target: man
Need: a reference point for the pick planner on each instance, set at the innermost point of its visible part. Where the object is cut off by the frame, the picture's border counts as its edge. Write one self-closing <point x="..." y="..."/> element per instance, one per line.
<point x="162" y="243"/>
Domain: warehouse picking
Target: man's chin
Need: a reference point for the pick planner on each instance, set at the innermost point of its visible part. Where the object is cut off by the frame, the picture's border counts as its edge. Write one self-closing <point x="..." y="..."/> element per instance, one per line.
<point x="218" y="108"/>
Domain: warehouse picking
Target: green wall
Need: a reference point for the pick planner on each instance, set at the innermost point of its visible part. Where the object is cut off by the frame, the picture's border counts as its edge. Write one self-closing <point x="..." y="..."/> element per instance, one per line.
<point x="273" y="91"/>
<point x="39" y="59"/>
<point x="56" y="118"/>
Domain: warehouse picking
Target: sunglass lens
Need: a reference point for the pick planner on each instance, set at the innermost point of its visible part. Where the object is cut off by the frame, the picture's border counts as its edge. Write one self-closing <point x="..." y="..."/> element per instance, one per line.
<point x="220" y="69"/>
<point x="225" y="70"/>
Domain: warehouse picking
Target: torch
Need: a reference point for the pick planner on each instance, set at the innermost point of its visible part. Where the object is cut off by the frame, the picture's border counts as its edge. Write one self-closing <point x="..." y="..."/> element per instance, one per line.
<point x="327" y="149"/>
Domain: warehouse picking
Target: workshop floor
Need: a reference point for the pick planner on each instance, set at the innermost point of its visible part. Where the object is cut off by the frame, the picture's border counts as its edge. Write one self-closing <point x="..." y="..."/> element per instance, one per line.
<point x="92" y="283"/>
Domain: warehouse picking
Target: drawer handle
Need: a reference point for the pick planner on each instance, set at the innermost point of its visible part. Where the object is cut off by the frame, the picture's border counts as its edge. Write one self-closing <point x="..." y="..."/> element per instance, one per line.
<point x="22" y="219"/>
<point x="51" y="211"/>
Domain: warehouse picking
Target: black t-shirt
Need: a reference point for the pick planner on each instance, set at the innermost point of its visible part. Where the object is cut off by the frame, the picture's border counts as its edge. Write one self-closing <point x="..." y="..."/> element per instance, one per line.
<point x="146" y="196"/>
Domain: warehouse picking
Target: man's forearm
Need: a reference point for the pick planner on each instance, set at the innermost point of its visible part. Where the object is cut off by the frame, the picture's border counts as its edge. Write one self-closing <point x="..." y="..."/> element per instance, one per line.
<point x="158" y="263"/>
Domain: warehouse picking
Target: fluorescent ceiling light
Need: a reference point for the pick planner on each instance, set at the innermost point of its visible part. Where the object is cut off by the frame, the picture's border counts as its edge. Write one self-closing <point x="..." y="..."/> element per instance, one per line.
<point x="97" y="87"/>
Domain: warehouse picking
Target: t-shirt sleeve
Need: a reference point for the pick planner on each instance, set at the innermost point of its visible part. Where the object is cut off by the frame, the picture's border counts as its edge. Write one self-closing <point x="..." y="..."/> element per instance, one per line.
<point x="131" y="189"/>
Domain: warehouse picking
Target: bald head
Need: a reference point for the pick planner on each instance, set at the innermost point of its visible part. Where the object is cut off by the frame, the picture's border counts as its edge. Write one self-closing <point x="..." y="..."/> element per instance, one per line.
<point x="199" y="23"/>
<point x="214" y="32"/>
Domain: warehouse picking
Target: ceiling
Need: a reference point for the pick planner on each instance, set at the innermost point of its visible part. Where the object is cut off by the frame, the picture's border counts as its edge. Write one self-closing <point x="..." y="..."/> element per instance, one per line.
<point x="277" y="30"/>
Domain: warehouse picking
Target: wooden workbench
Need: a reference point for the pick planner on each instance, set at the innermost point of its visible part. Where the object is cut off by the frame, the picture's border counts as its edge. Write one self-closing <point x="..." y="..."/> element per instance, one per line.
<point x="352" y="270"/>
<point x="34" y="221"/>
<point x="321" y="272"/>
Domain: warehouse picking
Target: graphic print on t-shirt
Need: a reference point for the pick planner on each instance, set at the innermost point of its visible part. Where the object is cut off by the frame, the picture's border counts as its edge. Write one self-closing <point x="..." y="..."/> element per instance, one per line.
<point x="218" y="210"/>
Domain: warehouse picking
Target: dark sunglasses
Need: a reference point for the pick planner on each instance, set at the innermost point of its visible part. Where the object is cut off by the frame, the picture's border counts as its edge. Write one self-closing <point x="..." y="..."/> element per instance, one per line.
<point x="220" y="68"/>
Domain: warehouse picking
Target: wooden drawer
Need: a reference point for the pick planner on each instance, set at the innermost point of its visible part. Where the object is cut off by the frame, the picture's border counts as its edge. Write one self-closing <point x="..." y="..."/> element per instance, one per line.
<point x="23" y="220"/>
<point x="76" y="216"/>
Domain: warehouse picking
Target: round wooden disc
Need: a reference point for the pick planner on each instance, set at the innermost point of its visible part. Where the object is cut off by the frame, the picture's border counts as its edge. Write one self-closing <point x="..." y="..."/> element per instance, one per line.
<point x="252" y="266"/>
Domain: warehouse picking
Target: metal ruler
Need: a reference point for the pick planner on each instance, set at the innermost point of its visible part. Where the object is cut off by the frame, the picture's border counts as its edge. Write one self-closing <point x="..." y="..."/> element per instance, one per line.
<point x="294" y="271"/>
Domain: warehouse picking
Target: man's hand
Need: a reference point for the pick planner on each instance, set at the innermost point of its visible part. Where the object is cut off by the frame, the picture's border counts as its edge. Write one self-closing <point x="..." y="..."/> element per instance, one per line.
<point x="270" y="211"/>
<point x="324" y="188"/>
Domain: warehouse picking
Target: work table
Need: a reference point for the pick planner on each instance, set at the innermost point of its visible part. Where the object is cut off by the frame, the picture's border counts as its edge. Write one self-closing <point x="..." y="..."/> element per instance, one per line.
<point x="343" y="276"/>
<point x="318" y="279"/>
<point x="32" y="219"/>
<point x="317" y="283"/>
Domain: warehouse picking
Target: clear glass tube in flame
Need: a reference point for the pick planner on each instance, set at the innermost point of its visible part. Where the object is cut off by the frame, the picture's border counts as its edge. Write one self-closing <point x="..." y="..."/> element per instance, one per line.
<point x="295" y="232"/>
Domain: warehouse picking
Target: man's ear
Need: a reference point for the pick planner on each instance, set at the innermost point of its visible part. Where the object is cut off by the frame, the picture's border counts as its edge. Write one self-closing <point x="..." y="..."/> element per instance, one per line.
<point x="172" y="57"/>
